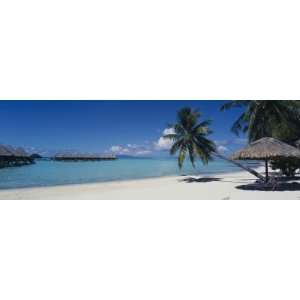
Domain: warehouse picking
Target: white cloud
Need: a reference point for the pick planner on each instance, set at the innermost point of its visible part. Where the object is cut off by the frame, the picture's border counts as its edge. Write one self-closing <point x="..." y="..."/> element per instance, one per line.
<point x="222" y="142"/>
<point x="169" y="131"/>
<point x="116" y="148"/>
<point x="125" y="151"/>
<point x="132" y="146"/>
<point x="231" y="142"/>
<point x="222" y="149"/>
<point x="130" y="149"/>
<point x="163" y="143"/>
<point x="119" y="150"/>
<point x="143" y="152"/>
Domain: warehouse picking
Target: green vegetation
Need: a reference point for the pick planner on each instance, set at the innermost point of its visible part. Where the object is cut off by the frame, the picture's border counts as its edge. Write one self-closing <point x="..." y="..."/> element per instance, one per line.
<point x="287" y="166"/>
<point x="279" y="119"/>
<point x="267" y="118"/>
<point x="260" y="118"/>
<point x="191" y="137"/>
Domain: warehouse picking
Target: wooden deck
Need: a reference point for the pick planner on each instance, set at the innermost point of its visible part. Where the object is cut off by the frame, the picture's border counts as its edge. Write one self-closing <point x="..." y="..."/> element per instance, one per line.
<point x="13" y="157"/>
<point x="83" y="157"/>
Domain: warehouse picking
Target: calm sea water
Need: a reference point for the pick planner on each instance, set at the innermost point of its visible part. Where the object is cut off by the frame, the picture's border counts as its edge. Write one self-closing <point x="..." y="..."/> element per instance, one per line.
<point x="50" y="173"/>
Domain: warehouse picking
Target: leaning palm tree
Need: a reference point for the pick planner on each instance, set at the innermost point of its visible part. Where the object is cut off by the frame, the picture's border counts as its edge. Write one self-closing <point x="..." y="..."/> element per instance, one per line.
<point x="190" y="137"/>
<point x="266" y="118"/>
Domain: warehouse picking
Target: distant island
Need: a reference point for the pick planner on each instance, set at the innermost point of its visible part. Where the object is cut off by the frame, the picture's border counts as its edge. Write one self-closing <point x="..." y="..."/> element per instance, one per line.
<point x="36" y="156"/>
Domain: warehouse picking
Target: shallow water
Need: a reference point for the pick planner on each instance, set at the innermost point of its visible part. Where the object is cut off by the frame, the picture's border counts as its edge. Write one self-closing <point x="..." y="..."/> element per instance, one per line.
<point x="50" y="173"/>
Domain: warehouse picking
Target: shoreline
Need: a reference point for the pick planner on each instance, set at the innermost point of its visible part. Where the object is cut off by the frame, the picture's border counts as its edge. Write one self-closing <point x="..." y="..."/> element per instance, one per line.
<point x="222" y="186"/>
<point x="40" y="177"/>
<point x="121" y="180"/>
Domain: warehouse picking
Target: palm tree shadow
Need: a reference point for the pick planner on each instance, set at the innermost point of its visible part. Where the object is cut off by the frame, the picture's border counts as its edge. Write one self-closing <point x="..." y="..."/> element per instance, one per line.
<point x="282" y="187"/>
<point x="200" y="180"/>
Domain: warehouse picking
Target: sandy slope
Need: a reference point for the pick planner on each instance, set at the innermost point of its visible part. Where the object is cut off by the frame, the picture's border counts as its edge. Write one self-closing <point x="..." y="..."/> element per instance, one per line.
<point x="222" y="186"/>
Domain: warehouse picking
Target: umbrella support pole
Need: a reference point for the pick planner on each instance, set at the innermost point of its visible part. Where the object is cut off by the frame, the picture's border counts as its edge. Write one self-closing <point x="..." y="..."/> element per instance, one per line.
<point x="267" y="171"/>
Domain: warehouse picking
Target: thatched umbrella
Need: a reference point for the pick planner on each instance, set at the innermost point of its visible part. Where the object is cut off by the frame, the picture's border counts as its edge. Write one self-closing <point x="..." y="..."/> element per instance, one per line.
<point x="266" y="149"/>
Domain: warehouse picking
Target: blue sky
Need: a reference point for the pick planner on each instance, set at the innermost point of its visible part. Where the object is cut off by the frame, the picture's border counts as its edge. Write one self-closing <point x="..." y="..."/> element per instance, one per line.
<point x="123" y="127"/>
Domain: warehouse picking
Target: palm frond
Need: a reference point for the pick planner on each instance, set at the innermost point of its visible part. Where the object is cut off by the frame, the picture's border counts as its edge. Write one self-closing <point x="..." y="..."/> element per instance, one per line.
<point x="202" y="127"/>
<point x="267" y="118"/>
<point x="233" y="104"/>
<point x="171" y="136"/>
<point x="239" y="124"/>
<point x="176" y="146"/>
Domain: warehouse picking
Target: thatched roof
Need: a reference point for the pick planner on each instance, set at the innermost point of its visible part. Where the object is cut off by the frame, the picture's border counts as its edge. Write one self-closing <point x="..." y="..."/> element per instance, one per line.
<point x="21" y="152"/>
<point x="266" y="148"/>
<point x="10" y="149"/>
<point x="6" y="150"/>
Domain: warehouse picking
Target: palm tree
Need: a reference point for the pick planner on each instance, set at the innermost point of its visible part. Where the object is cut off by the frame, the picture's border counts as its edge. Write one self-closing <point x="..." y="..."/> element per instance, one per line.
<point x="190" y="137"/>
<point x="269" y="118"/>
<point x="266" y="118"/>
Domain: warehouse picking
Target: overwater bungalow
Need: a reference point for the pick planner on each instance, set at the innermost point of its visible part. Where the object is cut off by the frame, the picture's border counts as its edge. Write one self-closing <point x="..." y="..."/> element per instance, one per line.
<point x="11" y="157"/>
<point x="83" y="157"/>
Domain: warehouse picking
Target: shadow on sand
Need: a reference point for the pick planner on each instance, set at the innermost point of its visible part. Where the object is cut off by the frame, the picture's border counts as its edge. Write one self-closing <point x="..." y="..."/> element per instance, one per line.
<point x="283" y="183"/>
<point x="282" y="187"/>
<point x="202" y="179"/>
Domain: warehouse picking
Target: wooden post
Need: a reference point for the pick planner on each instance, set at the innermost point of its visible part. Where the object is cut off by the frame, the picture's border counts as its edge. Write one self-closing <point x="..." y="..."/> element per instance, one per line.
<point x="267" y="172"/>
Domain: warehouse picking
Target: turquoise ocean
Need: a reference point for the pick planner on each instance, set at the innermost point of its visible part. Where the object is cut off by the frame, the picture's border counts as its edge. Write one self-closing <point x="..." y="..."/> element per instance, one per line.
<point x="51" y="173"/>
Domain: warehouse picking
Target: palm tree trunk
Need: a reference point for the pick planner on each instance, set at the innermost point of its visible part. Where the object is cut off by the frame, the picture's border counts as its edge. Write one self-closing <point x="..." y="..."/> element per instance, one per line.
<point x="256" y="174"/>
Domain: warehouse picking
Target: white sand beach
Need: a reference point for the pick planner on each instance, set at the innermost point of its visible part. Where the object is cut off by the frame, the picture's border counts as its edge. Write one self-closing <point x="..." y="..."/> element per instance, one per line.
<point x="213" y="187"/>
